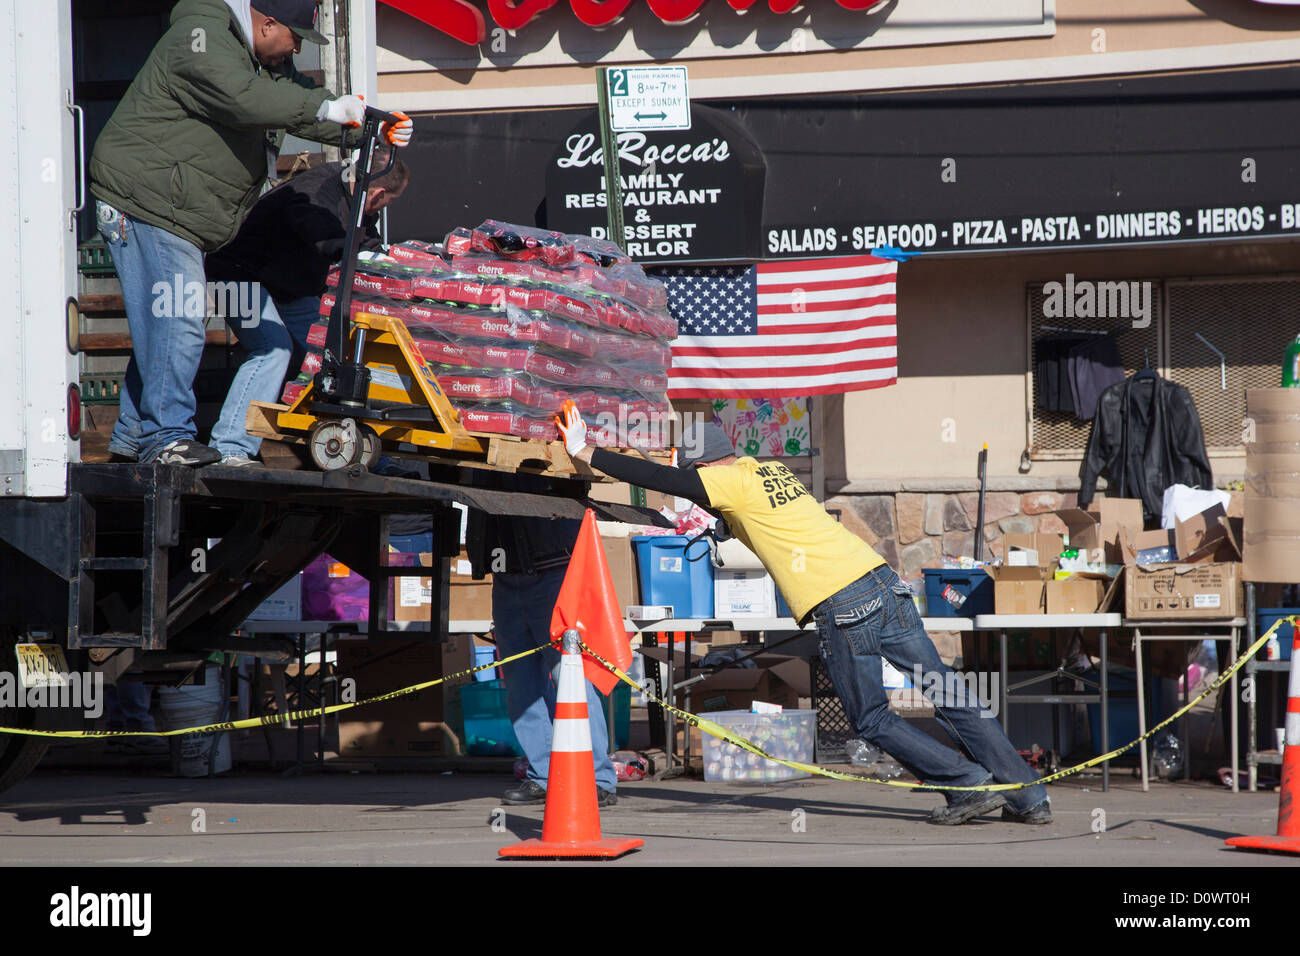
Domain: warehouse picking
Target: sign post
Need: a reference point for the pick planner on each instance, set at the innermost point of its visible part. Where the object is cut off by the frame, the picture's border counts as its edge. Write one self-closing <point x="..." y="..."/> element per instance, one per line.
<point x="609" y="152"/>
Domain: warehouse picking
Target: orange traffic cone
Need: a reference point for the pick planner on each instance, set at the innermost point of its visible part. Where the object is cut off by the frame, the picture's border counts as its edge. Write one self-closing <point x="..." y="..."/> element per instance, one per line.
<point x="571" y="827"/>
<point x="1287" y="839"/>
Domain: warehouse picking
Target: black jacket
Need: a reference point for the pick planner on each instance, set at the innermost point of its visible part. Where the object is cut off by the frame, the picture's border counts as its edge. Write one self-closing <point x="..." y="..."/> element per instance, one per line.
<point x="1146" y="437"/>
<point x="293" y="236"/>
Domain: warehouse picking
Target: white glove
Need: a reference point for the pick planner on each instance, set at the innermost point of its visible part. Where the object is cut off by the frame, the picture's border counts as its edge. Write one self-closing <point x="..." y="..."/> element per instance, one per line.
<point x="346" y="111"/>
<point x="365" y="255"/>
<point x="572" y="428"/>
<point x="397" y="135"/>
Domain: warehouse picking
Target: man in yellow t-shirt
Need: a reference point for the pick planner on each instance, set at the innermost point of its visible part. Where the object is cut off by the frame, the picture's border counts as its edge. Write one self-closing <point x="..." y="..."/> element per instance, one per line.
<point x="864" y="613"/>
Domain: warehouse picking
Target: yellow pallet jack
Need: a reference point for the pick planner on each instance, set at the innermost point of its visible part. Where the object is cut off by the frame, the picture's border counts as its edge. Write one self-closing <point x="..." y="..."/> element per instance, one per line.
<point x="374" y="386"/>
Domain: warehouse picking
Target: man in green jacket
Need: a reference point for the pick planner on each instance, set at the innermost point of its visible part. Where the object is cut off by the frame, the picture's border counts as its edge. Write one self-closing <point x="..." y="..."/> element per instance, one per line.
<point x="181" y="161"/>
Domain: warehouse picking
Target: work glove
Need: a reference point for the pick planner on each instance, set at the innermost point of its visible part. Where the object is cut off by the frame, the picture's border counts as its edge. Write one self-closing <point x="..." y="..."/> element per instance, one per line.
<point x="346" y="111"/>
<point x="572" y="428"/>
<point x="397" y="135"/>
<point x="366" y="255"/>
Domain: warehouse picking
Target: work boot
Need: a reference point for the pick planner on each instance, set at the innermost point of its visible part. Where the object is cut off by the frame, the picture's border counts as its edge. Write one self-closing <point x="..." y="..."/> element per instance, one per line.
<point x="605" y="798"/>
<point x="528" y="792"/>
<point x="967" y="805"/>
<point x="188" y="452"/>
<point x="1037" y="815"/>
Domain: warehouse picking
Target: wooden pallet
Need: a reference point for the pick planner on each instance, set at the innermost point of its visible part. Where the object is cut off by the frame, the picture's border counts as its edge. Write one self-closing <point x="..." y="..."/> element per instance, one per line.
<point x="502" y="452"/>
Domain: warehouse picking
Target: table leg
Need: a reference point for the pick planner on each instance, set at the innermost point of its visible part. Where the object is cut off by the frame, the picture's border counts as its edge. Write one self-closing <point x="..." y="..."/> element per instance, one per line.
<point x="1002" y="689"/>
<point x="1105" y="709"/>
<point x="1142" y="712"/>
<point x="1232" y="688"/>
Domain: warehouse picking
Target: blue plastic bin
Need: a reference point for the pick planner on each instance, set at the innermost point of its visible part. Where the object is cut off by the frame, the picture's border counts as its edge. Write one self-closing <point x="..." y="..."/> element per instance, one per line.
<point x="488" y="731"/>
<point x="1123" y="711"/>
<point x="667" y="577"/>
<point x="974" y="584"/>
<point x="485" y="654"/>
<point x="1265" y="618"/>
<point x="622" y="714"/>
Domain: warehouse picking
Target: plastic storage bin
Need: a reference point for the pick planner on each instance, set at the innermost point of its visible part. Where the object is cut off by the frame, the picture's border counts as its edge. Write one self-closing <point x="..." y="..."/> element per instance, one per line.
<point x="787" y="735"/>
<point x="488" y="731"/>
<point x="1265" y="617"/>
<point x="1123" y="710"/>
<point x="622" y="713"/>
<point x="974" y="584"/>
<point x="667" y="577"/>
<point x="484" y="654"/>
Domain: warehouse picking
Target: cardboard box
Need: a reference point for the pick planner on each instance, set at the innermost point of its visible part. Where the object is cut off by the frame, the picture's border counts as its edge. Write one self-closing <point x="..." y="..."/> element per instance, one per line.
<point x="743" y="594"/>
<point x="470" y="600"/>
<point x="621" y="557"/>
<point x="1095" y="532"/>
<point x="285" y="604"/>
<point x="1075" y="595"/>
<point x="1147" y="547"/>
<point x="777" y="679"/>
<point x="1047" y="546"/>
<point x="1271" y="539"/>
<point x="409" y="726"/>
<point x="1210" y="591"/>
<point x="1017" y="590"/>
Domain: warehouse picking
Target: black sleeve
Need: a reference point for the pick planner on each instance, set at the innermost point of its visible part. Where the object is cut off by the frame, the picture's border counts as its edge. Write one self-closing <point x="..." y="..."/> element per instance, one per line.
<point x="682" y="482"/>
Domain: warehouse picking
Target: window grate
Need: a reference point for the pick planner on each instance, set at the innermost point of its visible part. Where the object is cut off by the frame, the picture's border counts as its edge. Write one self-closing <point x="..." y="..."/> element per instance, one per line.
<point x="1056" y="435"/>
<point x="1250" y="321"/>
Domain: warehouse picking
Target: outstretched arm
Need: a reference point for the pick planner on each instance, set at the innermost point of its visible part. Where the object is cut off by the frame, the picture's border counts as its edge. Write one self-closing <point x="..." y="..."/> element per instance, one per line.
<point x="682" y="482"/>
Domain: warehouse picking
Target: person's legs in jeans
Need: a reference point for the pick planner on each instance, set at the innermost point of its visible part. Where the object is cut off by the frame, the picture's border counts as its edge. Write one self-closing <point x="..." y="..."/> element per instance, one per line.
<point x="522" y="606"/>
<point x="157" y="268"/>
<point x="259" y="378"/>
<point x="850" y="625"/>
<point x="298" y="316"/>
<point x="903" y="642"/>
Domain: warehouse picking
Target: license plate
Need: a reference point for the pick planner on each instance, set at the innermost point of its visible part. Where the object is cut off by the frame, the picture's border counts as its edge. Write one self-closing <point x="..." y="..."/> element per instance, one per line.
<point x="41" y="665"/>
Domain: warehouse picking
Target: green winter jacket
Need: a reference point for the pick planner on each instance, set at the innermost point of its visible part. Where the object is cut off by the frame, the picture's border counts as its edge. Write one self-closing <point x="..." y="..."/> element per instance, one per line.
<point x="185" y="150"/>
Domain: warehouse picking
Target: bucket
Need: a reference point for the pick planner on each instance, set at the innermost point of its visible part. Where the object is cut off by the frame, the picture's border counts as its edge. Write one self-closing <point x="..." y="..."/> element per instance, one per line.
<point x="197" y="755"/>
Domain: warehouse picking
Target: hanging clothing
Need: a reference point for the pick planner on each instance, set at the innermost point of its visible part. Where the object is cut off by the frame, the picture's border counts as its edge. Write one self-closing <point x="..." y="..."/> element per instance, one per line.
<point x="1146" y="436"/>
<point x="1051" y="371"/>
<point x="1093" y="367"/>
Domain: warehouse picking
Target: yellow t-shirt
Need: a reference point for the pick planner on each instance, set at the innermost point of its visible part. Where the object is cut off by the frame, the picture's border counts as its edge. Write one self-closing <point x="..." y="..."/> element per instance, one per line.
<point x="809" y="554"/>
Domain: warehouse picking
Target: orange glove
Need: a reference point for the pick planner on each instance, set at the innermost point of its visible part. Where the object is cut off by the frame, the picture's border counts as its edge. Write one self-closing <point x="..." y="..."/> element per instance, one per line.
<point x="398" y="135"/>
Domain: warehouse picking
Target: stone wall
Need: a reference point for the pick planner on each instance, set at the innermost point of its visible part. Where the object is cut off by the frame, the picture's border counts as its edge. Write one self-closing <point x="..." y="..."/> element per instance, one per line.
<point x="913" y="530"/>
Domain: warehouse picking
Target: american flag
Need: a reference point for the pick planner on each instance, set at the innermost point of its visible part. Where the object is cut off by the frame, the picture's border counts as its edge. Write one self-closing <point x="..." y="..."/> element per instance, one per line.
<point x="801" y="327"/>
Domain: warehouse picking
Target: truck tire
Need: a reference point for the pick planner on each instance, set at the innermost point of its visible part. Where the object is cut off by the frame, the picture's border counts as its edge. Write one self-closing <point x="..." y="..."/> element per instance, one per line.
<point x="19" y="757"/>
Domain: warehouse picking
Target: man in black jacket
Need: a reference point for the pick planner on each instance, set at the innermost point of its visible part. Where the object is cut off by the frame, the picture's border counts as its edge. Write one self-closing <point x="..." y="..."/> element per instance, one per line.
<point x="288" y="243"/>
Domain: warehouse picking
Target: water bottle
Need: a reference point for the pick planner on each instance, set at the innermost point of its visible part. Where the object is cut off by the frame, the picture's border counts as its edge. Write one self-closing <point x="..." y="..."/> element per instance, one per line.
<point x="1168" y="756"/>
<point x="1291" y="365"/>
<point x="861" y="753"/>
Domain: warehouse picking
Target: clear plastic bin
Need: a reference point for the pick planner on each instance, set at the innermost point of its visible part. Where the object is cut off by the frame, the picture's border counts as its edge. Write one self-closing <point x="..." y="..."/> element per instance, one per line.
<point x="789" y="735"/>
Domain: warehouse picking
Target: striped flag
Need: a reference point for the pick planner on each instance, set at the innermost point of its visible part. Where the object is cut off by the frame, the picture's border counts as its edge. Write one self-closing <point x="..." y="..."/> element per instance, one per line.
<point x="800" y="327"/>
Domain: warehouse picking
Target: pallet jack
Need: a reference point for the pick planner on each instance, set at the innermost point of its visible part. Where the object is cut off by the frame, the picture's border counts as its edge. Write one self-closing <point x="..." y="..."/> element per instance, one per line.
<point x="374" y="386"/>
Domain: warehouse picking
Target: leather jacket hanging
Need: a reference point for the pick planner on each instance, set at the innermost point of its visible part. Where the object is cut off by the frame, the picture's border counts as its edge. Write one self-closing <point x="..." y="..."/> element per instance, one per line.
<point x="1146" y="436"/>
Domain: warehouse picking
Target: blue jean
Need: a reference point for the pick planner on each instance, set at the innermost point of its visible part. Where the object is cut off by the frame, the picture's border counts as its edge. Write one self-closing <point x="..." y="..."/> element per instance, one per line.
<point x="299" y="315"/>
<point x="161" y="275"/>
<point x="522" y="605"/>
<point x="874" y="618"/>
<point x="260" y="378"/>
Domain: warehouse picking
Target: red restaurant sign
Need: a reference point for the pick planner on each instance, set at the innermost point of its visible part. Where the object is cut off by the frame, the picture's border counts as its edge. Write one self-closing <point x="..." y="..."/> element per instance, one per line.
<point x="464" y="21"/>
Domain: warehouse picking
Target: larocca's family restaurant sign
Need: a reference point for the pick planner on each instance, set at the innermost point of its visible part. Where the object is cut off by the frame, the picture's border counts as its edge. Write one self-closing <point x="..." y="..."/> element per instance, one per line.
<point x="464" y="21"/>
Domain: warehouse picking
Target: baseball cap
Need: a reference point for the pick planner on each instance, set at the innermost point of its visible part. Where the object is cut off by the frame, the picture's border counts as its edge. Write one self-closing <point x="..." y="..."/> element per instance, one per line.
<point x="703" y="442"/>
<point x="298" y="15"/>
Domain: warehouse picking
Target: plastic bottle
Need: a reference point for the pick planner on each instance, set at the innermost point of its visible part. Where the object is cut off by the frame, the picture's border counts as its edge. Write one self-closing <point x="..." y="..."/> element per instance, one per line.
<point x="1291" y="365"/>
<point x="861" y="753"/>
<point x="1168" y="756"/>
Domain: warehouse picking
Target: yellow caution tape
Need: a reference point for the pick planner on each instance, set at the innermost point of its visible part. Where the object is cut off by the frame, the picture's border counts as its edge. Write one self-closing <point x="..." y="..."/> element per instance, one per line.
<point x="722" y="733"/>
<point x="693" y="720"/>
<point x="269" y="719"/>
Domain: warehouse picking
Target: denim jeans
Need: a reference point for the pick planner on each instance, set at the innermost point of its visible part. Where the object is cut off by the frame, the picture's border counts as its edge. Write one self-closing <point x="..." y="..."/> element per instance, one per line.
<point x="299" y="315"/>
<point x="260" y="378"/>
<point x="875" y="618"/>
<point x="522" y="605"/>
<point x="160" y="273"/>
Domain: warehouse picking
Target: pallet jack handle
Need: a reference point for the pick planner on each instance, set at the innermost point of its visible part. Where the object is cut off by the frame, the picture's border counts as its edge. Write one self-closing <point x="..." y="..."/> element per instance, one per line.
<point x="344" y="378"/>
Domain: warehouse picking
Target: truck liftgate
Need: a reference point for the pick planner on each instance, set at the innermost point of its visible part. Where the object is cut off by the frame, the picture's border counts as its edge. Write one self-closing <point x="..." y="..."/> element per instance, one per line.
<point x="123" y="561"/>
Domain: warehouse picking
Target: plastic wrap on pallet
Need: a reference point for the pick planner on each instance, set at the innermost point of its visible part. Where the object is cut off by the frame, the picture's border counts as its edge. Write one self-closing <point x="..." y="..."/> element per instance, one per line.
<point x="510" y="241"/>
